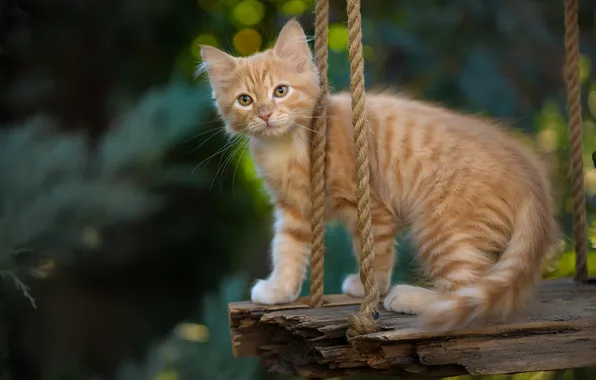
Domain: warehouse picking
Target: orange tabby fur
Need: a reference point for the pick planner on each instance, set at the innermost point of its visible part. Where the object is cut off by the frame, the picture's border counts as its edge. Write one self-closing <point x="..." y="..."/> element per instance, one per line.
<point x="477" y="203"/>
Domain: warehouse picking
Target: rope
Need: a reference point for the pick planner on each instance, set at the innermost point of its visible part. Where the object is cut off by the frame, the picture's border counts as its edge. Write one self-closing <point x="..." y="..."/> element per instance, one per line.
<point x="317" y="158"/>
<point x="575" y="132"/>
<point x="362" y="322"/>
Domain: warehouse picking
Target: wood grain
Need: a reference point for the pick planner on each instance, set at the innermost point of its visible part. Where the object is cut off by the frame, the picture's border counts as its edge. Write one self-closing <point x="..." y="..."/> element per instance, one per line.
<point x="558" y="331"/>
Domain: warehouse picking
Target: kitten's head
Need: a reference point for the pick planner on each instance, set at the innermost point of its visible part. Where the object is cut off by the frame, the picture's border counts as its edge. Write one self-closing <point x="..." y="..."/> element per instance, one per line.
<point x="269" y="93"/>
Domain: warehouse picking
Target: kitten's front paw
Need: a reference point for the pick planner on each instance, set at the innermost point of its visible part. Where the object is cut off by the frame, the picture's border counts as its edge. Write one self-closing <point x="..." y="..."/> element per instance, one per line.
<point x="352" y="286"/>
<point x="268" y="292"/>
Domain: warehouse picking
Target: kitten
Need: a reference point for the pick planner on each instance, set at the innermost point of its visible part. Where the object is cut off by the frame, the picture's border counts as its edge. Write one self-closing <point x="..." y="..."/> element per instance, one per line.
<point x="477" y="204"/>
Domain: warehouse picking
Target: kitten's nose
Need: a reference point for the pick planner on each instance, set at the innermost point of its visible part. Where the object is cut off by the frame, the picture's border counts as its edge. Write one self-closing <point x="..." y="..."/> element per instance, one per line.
<point x="265" y="116"/>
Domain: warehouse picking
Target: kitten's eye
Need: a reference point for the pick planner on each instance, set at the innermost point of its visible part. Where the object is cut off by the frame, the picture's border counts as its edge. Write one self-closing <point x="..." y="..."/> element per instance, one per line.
<point x="280" y="91"/>
<point x="244" y="100"/>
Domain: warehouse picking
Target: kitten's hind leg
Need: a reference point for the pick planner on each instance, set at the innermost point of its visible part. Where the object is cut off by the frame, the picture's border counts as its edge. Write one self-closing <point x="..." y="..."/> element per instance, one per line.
<point x="449" y="271"/>
<point x="409" y="299"/>
<point x="385" y="230"/>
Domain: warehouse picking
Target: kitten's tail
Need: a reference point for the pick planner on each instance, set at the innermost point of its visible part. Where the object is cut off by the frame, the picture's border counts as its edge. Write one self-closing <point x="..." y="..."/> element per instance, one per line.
<point x="510" y="282"/>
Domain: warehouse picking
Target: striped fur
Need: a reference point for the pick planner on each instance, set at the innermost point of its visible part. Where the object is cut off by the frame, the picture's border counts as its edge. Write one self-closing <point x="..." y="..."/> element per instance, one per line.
<point x="476" y="201"/>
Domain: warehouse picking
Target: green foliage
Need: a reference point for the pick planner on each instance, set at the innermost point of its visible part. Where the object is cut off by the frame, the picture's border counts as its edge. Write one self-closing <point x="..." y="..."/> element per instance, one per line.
<point x="207" y="356"/>
<point x="56" y="193"/>
<point x="53" y="186"/>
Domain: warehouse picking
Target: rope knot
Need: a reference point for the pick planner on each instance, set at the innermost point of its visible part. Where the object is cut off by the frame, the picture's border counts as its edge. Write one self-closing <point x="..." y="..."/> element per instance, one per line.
<point x="361" y="323"/>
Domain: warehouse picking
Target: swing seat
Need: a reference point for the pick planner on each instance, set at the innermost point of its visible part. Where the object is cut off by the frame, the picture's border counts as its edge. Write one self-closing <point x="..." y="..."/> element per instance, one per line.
<point x="556" y="332"/>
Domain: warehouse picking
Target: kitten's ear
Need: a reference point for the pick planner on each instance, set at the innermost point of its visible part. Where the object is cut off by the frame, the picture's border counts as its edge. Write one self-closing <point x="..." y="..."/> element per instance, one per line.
<point x="291" y="45"/>
<point x="216" y="63"/>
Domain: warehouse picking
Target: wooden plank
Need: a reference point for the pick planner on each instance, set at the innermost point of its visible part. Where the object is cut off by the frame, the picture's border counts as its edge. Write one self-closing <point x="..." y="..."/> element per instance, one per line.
<point x="558" y="331"/>
<point x="485" y="355"/>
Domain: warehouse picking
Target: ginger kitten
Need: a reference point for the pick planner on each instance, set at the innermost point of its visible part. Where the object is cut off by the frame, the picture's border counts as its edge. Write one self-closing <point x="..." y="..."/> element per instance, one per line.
<point x="477" y="203"/>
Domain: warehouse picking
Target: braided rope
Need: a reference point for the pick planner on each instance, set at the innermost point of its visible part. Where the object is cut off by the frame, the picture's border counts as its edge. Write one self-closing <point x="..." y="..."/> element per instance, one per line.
<point x="362" y="322"/>
<point x="317" y="158"/>
<point x="575" y="132"/>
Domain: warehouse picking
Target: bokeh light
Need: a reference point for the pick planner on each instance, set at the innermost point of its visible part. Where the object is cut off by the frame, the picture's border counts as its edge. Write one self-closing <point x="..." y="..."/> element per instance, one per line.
<point x="193" y="332"/>
<point x="294" y="8"/>
<point x="247" y="41"/>
<point x="249" y="12"/>
<point x="202" y="39"/>
<point x="338" y="37"/>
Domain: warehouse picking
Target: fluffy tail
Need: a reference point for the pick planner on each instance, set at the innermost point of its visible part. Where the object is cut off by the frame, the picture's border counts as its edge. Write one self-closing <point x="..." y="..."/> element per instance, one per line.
<point x="509" y="283"/>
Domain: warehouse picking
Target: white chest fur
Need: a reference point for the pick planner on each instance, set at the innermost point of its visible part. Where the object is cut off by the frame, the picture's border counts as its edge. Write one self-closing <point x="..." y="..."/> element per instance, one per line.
<point x="275" y="157"/>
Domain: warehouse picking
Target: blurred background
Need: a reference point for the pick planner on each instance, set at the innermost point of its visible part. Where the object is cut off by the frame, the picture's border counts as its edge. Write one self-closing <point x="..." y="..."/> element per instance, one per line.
<point x="127" y="219"/>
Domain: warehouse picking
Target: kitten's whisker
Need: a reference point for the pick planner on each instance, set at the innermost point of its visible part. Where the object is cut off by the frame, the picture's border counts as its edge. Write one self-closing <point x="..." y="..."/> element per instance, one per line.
<point x="220" y="150"/>
<point x="310" y="116"/>
<point x="207" y="139"/>
<point x="238" y="164"/>
<point x="308" y="137"/>
<point x="220" y="165"/>
<point x="264" y="32"/>
<point x="214" y="121"/>
<point x="300" y="136"/>
<point x="308" y="129"/>
<point x="199" y="135"/>
<point x="313" y="131"/>
<point x="222" y="168"/>
<point x="214" y="130"/>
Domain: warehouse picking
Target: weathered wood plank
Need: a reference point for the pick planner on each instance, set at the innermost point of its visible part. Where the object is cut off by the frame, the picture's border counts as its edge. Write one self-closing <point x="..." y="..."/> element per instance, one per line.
<point x="558" y="331"/>
<point x="484" y="355"/>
